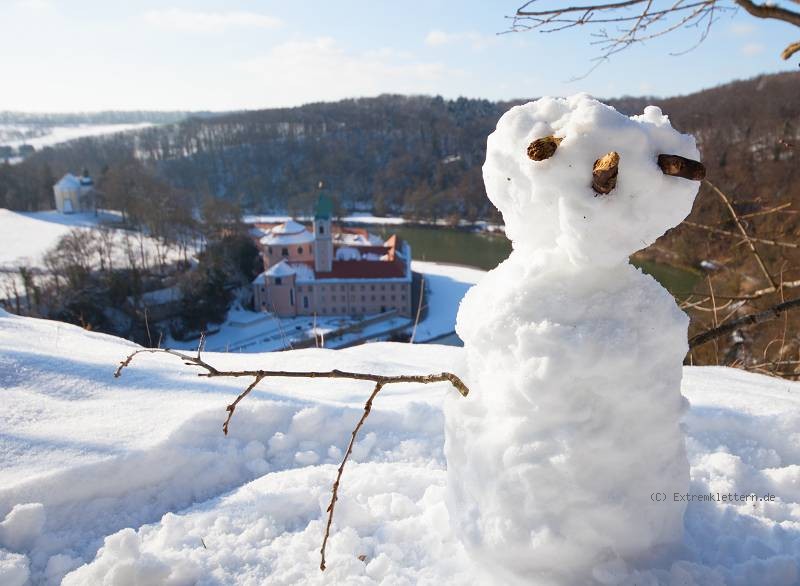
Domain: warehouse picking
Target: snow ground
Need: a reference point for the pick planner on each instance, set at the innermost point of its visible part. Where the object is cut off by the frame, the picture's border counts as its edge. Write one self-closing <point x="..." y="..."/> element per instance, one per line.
<point x="26" y="236"/>
<point x="59" y="134"/>
<point x="446" y="286"/>
<point x="130" y="480"/>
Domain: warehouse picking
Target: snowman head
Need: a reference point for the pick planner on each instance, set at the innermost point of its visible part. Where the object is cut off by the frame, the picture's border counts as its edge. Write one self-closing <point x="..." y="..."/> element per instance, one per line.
<point x="577" y="175"/>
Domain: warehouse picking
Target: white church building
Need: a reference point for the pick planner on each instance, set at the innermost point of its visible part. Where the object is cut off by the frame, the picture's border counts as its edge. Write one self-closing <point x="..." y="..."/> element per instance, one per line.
<point x="75" y="194"/>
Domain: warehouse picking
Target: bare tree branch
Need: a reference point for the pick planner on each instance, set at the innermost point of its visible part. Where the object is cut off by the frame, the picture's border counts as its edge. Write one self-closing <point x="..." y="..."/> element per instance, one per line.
<point x="259" y="375"/>
<point x="770" y="11"/>
<point x="722" y="232"/>
<point x="747" y="320"/>
<point x="637" y="21"/>
<point x="744" y="233"/>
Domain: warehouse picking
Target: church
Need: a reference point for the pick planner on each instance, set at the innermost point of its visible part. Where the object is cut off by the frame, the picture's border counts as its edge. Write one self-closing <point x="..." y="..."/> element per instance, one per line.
<point x="330" y="270"/>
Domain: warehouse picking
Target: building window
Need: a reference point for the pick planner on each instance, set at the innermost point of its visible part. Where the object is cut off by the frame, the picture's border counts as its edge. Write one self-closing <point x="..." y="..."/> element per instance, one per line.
<point x="383" y="287"/>
<point x="305" y="302"/>
<point x="321" y="229"/>
<point x="269" y="250"/>
<point x="372" y="287"/>
<point x="291" y="296"/>
<point x="278" y="280"/>
<point x="262" y="289"/>
<point x="299" y="250"/>
<point x="284" y="252"/>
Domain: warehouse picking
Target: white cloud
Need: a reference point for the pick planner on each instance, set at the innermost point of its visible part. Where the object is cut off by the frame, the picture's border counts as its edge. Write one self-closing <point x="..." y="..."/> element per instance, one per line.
<point x="741" y="29"/>
<point x="302" y="71"/>
<point x="752" y="49"/>
<point x="438" y="38"/>
<point x="209" y="22"/>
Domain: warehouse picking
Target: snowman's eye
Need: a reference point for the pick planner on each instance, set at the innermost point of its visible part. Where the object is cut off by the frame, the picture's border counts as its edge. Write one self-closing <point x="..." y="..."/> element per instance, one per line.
<point x="543" y="148"/>
<point x="678" y="166"/>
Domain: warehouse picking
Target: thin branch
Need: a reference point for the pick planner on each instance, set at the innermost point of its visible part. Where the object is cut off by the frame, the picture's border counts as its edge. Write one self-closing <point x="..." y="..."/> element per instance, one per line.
<point x="747" y="320"/>
<point x="258" y="375"/>
<point x="790" y="50"/>
<point x="335" y="490"/>
<point x="722" y="232"/>
<point x="744" y="233"/>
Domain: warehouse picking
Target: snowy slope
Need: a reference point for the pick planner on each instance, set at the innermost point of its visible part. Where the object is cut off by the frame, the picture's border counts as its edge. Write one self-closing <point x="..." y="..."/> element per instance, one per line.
<point x="26" y="236"/>
<point x="133" y="476"/>
<point x="58" y="134"/>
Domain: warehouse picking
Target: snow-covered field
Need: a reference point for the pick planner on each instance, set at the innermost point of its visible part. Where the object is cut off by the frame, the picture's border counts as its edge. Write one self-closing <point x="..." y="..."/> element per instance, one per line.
<point x="15" y="135"/>
<point x="131" y="481"/>
<point x="25" y="237"/>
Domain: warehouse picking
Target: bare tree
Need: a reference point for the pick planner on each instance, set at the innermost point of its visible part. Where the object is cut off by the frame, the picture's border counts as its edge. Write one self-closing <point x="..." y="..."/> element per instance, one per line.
<point x="637" y="21"/>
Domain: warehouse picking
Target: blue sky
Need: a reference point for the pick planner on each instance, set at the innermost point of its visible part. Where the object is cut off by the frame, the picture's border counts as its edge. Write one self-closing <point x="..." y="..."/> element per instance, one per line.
<point x="80" y="55"/>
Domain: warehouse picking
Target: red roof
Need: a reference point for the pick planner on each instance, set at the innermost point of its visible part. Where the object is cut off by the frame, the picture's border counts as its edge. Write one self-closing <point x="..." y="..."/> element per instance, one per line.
<point x="365" y="269"/>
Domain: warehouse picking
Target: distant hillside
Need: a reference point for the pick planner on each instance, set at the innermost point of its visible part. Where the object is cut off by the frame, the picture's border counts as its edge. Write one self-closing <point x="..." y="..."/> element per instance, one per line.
<point x="421" y="156"/>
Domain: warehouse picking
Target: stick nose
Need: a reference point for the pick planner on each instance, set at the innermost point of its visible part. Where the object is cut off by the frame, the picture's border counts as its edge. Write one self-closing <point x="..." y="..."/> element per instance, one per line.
<point x="678" y="166"/>
<point x="604" y="173"/>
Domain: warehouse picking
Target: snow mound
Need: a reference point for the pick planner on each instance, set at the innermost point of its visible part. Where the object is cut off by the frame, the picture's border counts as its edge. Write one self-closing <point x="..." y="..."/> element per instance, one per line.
<point x="137" y="481"/>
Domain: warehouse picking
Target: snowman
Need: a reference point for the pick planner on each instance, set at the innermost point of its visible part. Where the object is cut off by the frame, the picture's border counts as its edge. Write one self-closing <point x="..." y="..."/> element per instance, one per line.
<point x="563" y="461"/>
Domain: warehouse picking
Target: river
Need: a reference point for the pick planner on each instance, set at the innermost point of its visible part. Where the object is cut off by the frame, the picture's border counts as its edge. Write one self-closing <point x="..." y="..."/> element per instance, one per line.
<point x="486" y="250"/>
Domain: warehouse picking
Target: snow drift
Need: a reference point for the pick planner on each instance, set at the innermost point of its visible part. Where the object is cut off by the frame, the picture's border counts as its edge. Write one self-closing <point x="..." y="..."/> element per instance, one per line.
<point x="114" y="481"/>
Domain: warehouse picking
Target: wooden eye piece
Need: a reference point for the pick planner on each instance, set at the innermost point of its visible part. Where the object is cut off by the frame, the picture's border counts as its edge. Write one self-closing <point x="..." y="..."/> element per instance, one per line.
<point x="543" y="148"/>
<point x="678" y="166"/>
<point x="604" y="173"/>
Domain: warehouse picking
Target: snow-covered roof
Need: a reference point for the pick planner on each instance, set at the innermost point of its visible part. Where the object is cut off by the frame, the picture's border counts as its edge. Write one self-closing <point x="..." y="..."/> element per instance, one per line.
<point x="281" y="269"/>
<point x="68" y="181"/>
<point x="304" y="273"/>
<point x="290" y="227"/>
<point x="287" y="233"/>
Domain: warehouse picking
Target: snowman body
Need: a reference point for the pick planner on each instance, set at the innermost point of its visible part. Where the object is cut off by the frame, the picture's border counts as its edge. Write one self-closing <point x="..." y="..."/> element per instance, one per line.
<point x="558" y="459"/>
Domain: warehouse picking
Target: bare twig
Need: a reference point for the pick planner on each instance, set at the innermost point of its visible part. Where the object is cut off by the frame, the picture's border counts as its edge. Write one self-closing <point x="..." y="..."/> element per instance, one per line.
<point x="258" y="375"/>
<point x="747" y="320"/>
<point x="722" y="232"/>
<point x="746" y="236"/>
<point x="636" y="21"/>
<point x="419" y="309"/>
<point x="335" y="490"/>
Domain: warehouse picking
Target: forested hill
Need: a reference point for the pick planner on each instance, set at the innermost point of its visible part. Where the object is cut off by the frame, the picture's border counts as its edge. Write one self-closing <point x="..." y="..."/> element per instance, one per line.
<point x="421" y="156"/>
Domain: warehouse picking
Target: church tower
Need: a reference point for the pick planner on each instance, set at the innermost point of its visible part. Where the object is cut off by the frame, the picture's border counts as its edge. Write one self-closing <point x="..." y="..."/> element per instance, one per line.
<point x="323" y="238"/>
